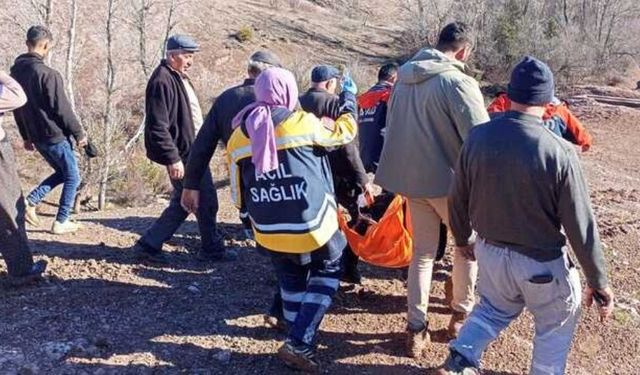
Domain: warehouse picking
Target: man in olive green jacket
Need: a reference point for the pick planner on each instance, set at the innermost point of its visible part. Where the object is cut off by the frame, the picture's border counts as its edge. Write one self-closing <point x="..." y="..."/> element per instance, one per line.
<point x="432" y="109"/>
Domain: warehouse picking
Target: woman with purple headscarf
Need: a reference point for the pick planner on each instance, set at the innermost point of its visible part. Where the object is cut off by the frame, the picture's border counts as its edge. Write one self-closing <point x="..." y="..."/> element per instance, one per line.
<point x="280" y="173"/>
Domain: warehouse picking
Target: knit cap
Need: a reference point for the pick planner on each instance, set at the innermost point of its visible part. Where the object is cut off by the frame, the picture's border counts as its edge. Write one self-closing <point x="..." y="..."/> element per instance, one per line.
<point x="531" y="82"/>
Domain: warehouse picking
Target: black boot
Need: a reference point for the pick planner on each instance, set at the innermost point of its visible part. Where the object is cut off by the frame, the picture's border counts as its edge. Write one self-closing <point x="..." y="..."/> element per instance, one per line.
<point x="350" y="267"/>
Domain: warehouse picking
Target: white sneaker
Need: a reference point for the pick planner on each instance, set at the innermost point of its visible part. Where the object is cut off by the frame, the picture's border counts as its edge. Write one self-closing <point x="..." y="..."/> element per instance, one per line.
<point x="30" y="214"/>
<point x="66" y="227"/>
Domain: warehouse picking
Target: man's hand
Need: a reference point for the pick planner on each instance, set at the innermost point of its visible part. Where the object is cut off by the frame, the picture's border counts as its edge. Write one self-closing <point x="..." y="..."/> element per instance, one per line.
<point x="176" y="171"/>
<point x="604" y="299"/>
<point x="467" y="251"/>
<point x="190" y="200"/>
<point x="28" y="145"/>
<point x="367" y="198"/>
<point x="82" y="142"/>
<point x="349" y="85"/>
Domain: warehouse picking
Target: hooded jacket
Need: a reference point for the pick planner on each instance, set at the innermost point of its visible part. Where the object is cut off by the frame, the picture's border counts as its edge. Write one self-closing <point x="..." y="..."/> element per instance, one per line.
<point x="433" y="106"/>
<point x="372" y="119"/>
<point x="47" y="117"/>
<point x="169" y="131"/>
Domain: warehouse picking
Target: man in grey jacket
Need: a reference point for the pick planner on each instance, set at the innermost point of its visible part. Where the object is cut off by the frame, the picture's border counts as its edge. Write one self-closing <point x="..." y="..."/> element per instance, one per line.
<point x="432" y="109"/>
<point x="516" y="185"/>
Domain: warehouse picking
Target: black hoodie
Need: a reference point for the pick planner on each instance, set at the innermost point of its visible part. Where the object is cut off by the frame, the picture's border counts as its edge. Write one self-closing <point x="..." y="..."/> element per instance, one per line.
<point x="47" y="117"/>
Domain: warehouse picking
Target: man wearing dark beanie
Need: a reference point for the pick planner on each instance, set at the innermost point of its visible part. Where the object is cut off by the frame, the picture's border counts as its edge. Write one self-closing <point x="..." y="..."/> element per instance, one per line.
<point x="516" y="184"/>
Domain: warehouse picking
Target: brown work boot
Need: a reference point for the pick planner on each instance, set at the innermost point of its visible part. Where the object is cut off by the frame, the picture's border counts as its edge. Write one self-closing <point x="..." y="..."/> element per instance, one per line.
<point x="455" y="324"/>
<point x="299" y="357"/>
<point x="30" y="214"/>
<point x="417" y="340"/>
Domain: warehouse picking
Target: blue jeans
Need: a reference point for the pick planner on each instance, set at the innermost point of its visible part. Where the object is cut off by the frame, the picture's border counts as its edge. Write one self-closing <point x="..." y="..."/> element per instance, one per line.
<point x="174" y="215"/>
<point x="61" y="158"/>
<point x="307" y="290"/>
<point x="508" y="282"/>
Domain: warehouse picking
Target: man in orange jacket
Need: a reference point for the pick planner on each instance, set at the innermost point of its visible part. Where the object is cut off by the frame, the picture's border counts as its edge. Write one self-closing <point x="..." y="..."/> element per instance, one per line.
<point x="372" y="117"/>
<point x="557" y="118"/>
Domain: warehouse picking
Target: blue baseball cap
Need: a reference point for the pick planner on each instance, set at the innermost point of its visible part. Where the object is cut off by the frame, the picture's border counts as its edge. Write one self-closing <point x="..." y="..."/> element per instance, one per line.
<point x="182" y="43"/>
<point x="323" y="73"/>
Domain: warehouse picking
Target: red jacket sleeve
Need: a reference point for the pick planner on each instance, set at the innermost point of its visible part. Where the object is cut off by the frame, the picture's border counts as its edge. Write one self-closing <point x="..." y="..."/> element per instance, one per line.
<point x="500" y="104"/>
<point x="575" y="129"/>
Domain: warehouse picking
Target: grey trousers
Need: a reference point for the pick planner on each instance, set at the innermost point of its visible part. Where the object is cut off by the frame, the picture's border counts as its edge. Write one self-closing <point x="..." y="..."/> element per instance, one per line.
<point x="510" y="282"/>
<point x="13" y="236"/>
<point x="173" y="216"/>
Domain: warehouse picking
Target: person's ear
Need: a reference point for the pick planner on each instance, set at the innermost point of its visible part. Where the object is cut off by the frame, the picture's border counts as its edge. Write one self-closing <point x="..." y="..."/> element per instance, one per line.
<point x="461" y="55"/>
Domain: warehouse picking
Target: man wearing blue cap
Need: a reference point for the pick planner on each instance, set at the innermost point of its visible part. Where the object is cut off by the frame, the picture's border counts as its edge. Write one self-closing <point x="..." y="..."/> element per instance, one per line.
<point x="321" y="98"/>
<point x="516" y="184"/>
<point x="349" y="176"/>
<point x="173" y="117"/>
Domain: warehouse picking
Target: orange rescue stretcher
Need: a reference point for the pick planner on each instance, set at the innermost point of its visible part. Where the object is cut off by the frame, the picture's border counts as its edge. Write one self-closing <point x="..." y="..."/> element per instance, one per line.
<point x="387" y="242"/>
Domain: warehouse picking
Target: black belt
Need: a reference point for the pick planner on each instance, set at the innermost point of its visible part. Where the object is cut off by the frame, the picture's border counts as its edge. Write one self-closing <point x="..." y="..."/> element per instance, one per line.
<point x="496" y="243"/>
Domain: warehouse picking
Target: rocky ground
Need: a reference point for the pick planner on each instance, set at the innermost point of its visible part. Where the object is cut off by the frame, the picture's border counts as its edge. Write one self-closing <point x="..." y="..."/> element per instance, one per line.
<point x="100" y="311"/>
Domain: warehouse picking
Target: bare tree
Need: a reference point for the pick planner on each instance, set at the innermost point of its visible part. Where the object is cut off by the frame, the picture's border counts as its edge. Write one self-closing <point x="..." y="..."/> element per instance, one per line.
<point x="146" y="64"/>
<point x="140" y="23"/>
<point x="171" y="23"/>
<point x="71" y="34"/>
<point x="44" y="9"/>
<point x="108" y="115"/>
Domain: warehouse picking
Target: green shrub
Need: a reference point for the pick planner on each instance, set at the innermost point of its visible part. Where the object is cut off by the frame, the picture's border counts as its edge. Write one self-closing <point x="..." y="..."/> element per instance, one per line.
<point x="139" y="183"/>
<point x="245" y="34"/>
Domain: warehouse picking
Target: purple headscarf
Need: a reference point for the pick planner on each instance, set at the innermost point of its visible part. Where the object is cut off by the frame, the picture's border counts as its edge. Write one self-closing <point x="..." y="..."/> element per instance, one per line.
<point x="274" y="87"/>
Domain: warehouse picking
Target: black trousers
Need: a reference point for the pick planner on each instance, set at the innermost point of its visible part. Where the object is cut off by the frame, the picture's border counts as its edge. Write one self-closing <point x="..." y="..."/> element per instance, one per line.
<point x="347" y="197"/>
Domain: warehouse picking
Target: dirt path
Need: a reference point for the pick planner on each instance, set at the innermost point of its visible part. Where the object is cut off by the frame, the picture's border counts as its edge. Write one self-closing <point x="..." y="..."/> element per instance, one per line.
<point x="101" y="312"/>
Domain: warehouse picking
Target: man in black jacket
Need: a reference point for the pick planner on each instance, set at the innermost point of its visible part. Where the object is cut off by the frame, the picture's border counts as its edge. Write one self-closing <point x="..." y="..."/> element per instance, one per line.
<point x="349" y="177"/>
<point x="217" y="127"/>
<point x="173" y="116"/>
<point x="47" y="123"/>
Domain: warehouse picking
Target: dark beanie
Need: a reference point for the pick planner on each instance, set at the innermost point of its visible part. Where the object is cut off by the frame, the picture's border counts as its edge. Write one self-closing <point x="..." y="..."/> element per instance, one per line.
<point x="531" y="82"/>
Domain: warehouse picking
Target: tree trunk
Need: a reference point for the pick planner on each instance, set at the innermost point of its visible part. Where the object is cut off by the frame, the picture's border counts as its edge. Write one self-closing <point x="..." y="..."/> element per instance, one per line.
<point x="70" y="53"/>
<point x="170" y="25"/>
<point x="108" y="121"/>
<point x="48" y="14"/>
